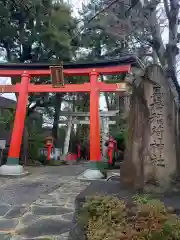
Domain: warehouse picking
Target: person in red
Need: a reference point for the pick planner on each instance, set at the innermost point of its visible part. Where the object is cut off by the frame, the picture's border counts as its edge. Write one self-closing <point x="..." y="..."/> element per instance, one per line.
<point x="111" y="149"/>
<point x="49" y="147"/>
<point x="79" y="151"/>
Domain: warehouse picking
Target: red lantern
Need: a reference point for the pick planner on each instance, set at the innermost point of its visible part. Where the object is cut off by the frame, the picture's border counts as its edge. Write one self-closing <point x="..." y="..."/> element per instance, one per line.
<point x="49" y="144"/>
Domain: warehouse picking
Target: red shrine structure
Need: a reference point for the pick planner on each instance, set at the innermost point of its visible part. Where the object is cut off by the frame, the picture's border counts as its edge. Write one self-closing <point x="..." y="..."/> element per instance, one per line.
<point x="57" y="73"/>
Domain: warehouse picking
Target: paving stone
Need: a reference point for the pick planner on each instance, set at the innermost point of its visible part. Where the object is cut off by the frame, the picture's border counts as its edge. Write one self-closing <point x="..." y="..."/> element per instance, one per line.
<point x="15" y="212"/>
<point x="68" y="216"/>
<point x="70" y="205"/>
<point x="16" y="238"/>
<point x="65" y="199"/>
<point x="46" y="201"/>
<point x="63" y="236"/>
<point x="4" y="209"/>
<point x="44" y="211"/>
<point x="60" y="200"/>
<point x="55" y="195"/>
<point x="60" y="237"/>
<point x="63" y="191"/>
<point x="45" y="226"/>
<point x="40" y="238"/>
<point x="8" y="224"/>
<point x="29" y="218"/>
<point x="71" y="199"/>
<point x="26" y="192"/>
<point x="5" y="236"/>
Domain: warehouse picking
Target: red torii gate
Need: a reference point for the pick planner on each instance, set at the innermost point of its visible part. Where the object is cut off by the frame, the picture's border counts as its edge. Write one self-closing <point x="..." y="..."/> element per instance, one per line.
<point x="27" y="71"/>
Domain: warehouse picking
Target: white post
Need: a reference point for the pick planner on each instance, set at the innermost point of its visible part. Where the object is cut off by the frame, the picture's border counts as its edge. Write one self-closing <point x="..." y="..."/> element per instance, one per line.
<point x="68" y="134"/>
<point x="105" y="133"/>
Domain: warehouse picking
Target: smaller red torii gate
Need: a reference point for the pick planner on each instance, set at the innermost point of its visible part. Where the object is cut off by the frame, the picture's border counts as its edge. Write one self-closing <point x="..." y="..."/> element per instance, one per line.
<point x="27" y="71"/>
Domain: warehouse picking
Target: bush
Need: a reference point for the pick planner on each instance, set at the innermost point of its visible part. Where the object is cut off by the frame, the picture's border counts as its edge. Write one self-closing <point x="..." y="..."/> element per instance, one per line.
<point x="121" y="139"/>
<point x="42" y="159"/>
<point x="108" y="218"/>
<point x="53" y="162"/>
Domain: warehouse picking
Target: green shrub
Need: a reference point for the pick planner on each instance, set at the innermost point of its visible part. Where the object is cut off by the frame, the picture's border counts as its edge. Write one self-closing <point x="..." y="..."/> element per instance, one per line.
<point x="121" y="139"/>
<point x="53" y="162"/>
<point x="108" y="218"/>
<point x="42" y="159"/>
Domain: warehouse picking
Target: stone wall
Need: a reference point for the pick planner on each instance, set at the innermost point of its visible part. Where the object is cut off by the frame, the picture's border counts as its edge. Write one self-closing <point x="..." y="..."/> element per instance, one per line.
<point x="151" y="157"/>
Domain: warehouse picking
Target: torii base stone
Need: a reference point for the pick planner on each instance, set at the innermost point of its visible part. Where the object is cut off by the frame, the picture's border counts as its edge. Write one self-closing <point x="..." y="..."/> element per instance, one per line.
<point x="96" y="170"/>
<point x="13" y="170"/>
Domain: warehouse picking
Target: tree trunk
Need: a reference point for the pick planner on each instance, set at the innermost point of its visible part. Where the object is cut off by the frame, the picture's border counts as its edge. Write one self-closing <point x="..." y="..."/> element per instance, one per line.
<point x="157" y="42"/>
<point x="172" y="49"/>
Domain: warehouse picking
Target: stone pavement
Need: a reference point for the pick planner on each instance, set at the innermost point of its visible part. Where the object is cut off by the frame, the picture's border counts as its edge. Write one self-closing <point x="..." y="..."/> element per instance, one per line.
<point x="40" y="206"/>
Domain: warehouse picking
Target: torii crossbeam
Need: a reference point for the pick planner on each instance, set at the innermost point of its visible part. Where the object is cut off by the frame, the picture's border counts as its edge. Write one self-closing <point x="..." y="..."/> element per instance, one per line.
<point x="93" y="70"/>
<point x="87" y="114"/>
<point x="83" y="122"/>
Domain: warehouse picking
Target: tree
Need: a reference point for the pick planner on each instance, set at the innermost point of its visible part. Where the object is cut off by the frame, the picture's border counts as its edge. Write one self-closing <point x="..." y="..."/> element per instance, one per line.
<point x="7" y="119"/>
<point x="37" y="31"/>
<point x="101" y="44"/>
<point x="140" y="25"/>
<point x="116" y="28"/>
<point x="145" y="24"/>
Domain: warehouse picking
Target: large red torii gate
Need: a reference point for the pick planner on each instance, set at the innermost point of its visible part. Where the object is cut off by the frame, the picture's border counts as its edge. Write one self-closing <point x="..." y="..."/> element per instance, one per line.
<point x="27" y="71"/>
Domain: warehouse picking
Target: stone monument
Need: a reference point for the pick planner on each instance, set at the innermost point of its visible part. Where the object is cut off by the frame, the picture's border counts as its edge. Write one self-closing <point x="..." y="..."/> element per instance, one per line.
<point x="151" y="155"/>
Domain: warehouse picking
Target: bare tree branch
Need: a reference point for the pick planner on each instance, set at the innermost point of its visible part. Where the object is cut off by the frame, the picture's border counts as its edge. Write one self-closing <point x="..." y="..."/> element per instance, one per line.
<point x="166" y="6"/>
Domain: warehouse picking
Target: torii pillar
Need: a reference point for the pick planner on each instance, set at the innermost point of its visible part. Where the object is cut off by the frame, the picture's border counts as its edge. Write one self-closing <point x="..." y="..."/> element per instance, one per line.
<point x="95" y="164"/>
<point x="95" y="154"/>
<point x="12" y="166"/>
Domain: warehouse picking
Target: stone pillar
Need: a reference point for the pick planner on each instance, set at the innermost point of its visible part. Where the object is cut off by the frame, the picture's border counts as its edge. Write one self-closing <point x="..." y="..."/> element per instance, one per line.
<point x="68" y="135"/>
<point x="162" y="139"/>
<point x="150" y="157"/>
<point x="105" y="126"/>
<point x="126" y="104"/>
